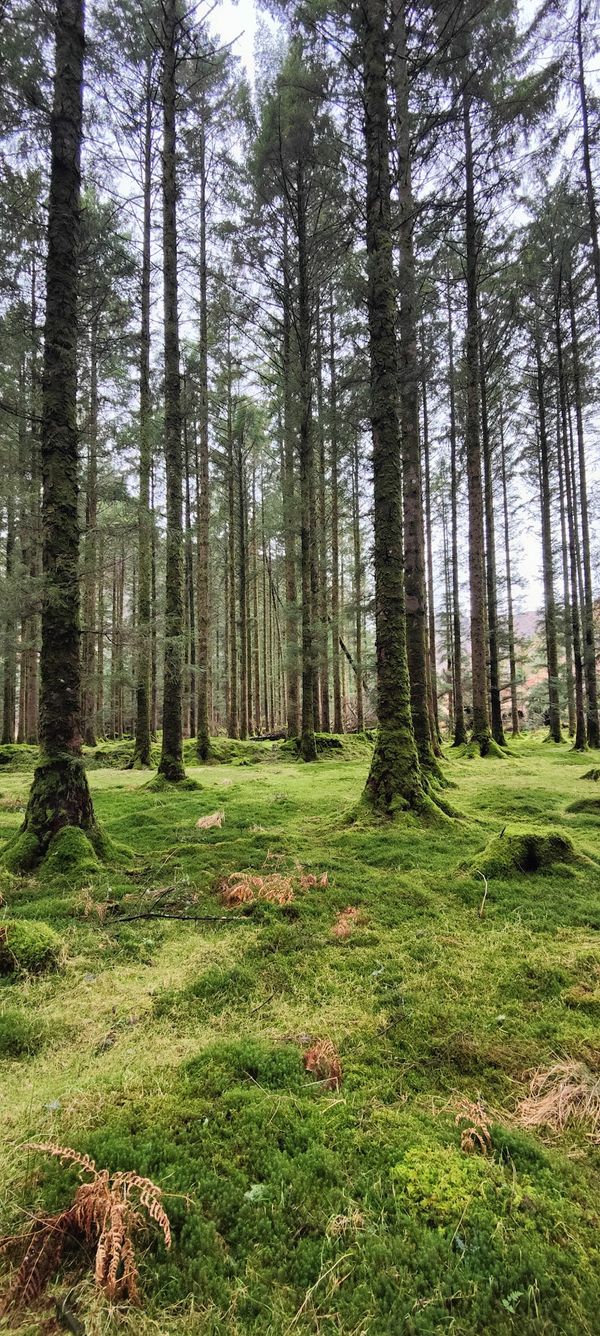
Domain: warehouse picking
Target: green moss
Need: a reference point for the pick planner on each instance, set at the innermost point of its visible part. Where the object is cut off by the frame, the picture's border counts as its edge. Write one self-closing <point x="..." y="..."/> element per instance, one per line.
<point x="27" y="946"/>
<point x="593" y="774"/>
<point x="162" y="784"/>
<point x="21" y="1035"/>
<point x="70" y="855"/>
<point x="513" y="853"/>
<point x="587" y="806"/>
<point x="22" y="854"/>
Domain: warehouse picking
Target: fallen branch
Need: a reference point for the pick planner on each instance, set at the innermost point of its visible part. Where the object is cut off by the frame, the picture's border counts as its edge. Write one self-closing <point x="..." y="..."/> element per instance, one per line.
<point x="192" y="918"/>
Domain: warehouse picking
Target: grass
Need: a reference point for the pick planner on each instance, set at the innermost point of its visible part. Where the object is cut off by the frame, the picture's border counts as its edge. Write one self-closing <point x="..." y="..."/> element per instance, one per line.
<point x="176" y="1049"/>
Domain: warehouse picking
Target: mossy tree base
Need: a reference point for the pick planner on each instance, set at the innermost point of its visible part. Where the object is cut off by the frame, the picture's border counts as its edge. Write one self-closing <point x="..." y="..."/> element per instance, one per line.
<point x="593" y="774"/>
<point x="59" y="807"/>
<point x="395" y="785"/>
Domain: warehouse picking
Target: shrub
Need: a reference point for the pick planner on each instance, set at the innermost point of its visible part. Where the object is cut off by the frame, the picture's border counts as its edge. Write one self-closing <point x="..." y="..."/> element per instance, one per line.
<point x="29" y="947"/>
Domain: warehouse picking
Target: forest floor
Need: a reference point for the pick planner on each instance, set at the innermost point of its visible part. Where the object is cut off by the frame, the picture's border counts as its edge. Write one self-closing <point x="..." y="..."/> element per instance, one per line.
<point x="177" y="1050"/>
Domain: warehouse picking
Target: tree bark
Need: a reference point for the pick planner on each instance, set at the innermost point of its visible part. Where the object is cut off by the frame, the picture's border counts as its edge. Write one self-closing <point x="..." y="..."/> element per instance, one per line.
<point x="548" y="561"/>
<point x="514" y="708"/>
<point x="60" y="795"/>
<point x="460" y="732"/>
<point x="394" y="781"/>
<point x="481" y="725"/>
<point x="171" y="760"/>
<point x="338" y="720"/>
<point x="308" y="746"/>
<point x="589" y="635"/>
<point x="203" y="611"/>
<point x="490" y="555"/>
<point x="141" y="751"/>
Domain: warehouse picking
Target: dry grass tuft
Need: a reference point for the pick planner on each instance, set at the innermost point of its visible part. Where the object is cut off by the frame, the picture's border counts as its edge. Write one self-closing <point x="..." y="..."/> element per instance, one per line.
<point x="104" y="1216"/>
<point x="346" y="921"/>
<point x="322" y="1061"/>
<point x="476" y="1136"/>
<point x="566" y="1093"/>
<point x="214" y="819"/>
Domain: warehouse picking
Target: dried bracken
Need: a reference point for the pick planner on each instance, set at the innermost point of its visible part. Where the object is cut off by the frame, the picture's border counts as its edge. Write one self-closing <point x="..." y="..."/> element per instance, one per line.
<point x="566" y="1093"/>
<point x="345" y="923"/>
<point x="248" y="887"/>
<point x="214" y="819"/>
<point x="476" y="1136"/>
<point x="104" y="1215"/>
<point x="322" y="1061"/>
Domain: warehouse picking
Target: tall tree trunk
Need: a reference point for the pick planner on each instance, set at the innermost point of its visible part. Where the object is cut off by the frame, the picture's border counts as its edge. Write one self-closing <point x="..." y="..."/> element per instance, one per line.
<point x="460" y="732"/>
<point x="141" y="751"/>
<point x="255" y="633"/>
<point x="242" y="587"/>
<point x="338" y="719"/>
<point x="567" y="615"/>
<point x="490" y="555"/>
<point x="9" y="710"/>
<point x="322" y="531"/>
<point x="90" y="555"/>
<point x="60" y="795"/>
<point x="203" y="612"/>
<point x="580" y="730"/>
<point x="435" y="721"/>
<point x="232" y="722"/>
<point x="481" y="724"/>
<point x="512" y="660"/>
<point x="414" y="538"/>
<point x="289" y="503"/>
<point x="171" y="759"/>
<point x="547" y="555"/>
<point x="308" y="746"/>
<point x="589" y="635"/>
<point x="190" y="601"/>
<point x="394" y="781"/>
<point x="360" y="716"/>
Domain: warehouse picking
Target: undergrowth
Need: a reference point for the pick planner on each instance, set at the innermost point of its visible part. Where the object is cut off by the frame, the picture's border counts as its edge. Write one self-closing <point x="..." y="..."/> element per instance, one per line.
<point x="445" y="1174"/>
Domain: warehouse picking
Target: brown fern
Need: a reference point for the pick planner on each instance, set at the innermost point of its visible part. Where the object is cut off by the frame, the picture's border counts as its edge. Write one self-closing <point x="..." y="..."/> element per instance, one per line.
<point x="104" y="1215"/>
<point x="322" y="1061"/>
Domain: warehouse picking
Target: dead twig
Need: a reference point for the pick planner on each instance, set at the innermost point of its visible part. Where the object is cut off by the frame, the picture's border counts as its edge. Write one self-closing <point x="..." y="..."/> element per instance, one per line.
<point x="482" y="905"/>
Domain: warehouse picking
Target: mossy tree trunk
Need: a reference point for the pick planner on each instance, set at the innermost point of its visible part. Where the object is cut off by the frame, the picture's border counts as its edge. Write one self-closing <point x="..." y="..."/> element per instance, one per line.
<point x="509" y="595"/>
<point x="394" y="780"/>
<point x="358" y="584"/>
<point x="431" y="639"/>
<point x="338" y="722"/>
<point x="141" y="754"/>
<point x="289" y="498"/>
<point x="481" y="722"/>
<point x="547" y="553"/>
<point x="171" y="760"/>
<point x="308" y="746"/>
<point x="490" y="552"/>
<point x="414" y="535"/>
<point x="460" y="732"/>
<point x="580" y="741"/>
<point x="589" y="634"/>
<point x="203" y="525"/>
<point x="60" y="795"/>
<point x="90" y="555"/>
<point x="9" y="699"/>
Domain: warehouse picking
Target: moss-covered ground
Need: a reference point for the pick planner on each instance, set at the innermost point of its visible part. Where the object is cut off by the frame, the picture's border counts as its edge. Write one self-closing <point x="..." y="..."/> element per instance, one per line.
<point x="175" y="1049"/>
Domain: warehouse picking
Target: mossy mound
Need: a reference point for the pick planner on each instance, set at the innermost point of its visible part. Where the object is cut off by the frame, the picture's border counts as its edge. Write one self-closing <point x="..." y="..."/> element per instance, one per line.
<point x="28" y="947"/>
<point x="22" y="854"/>
<point x="513" y="853"/>
<point x="20" y="1034"/>
<point x="590" y="806"/>
<point x="338" y="746"/>
<point x="593" y="774"/>
<point x="18" y="756"/>
<point x="160" y="784"/>
<point x="72" y="855"/>
<point x="583" y="998"/>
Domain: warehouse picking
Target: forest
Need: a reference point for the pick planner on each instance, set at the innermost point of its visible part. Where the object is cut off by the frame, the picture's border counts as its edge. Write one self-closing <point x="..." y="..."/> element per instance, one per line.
<point x="299" y="648"/>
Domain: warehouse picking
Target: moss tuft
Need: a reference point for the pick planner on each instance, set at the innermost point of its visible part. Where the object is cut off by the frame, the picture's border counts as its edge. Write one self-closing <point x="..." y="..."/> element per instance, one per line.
<point x="22" y="854"/>
<point x="20" y="1035"/>
<point x="71" y="854"/>
<point x="28" y="947"/>
<point x="162" y="784"/>
<point x="513" y="853"/>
